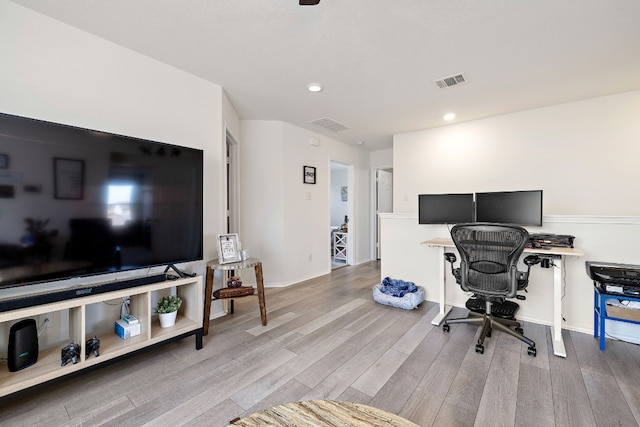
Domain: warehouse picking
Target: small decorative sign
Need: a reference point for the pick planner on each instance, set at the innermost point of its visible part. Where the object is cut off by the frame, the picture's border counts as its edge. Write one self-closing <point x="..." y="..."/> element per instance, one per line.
<point x="228" y="248"/>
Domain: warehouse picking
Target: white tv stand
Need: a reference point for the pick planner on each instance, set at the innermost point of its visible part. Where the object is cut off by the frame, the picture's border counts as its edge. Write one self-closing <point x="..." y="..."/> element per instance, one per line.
<point x="48" y="367"/>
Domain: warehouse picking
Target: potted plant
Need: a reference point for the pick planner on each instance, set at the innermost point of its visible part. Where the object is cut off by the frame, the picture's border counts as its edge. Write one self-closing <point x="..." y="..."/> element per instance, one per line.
<point x="167" y="309"/>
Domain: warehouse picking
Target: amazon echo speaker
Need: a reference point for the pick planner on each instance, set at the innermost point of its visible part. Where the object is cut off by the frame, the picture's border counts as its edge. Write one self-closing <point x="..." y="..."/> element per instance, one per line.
<point x="23" y="345"/>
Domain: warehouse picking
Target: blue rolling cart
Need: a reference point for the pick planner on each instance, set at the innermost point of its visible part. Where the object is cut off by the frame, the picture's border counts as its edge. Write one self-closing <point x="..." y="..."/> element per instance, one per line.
<point x="600" y="312"/>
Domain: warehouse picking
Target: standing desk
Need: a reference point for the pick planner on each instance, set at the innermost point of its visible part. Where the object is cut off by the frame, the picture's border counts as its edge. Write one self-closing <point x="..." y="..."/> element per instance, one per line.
<point x="558" y="255"/>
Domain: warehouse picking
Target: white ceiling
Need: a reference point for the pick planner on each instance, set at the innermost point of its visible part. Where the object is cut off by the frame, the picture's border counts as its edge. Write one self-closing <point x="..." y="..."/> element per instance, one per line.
<point x="377" y="59"/>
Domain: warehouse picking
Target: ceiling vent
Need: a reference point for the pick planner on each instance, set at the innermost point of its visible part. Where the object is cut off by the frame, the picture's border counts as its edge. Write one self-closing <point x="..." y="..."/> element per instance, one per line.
<point x="451" y="81"/>
<point x="329" y="124"/>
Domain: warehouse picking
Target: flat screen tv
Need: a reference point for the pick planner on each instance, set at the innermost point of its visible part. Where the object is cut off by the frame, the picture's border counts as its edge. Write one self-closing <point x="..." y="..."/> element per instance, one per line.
<point x="77" y="202"/>
<point x="511" y="207"/>
<point x="445" y="208"/>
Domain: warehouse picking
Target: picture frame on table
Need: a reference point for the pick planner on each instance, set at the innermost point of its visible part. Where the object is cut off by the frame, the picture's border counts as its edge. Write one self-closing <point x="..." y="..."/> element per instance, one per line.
<point x="228" y="248"/>
<point x="308" y="174"/>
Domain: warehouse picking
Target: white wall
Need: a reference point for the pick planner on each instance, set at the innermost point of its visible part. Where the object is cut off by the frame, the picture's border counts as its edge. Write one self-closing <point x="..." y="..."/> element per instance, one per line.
<point x="262" y="193"/>
<point x="284" y="220"/>
<point x="581" y="154"/>
<point x="55" y="72"/>
<point x="381" y="159"/>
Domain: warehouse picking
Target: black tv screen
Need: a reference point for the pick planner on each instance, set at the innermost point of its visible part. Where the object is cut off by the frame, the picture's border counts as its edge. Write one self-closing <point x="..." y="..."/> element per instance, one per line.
<point x="511" y="207"/>
<point x="77" y="202"/>
<point x="445" y="208"/>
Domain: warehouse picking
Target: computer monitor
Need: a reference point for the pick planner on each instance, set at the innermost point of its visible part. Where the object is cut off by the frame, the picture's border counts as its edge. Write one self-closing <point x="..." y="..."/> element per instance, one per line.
<point x="511" y="207"/>
<point x="445" y="208"/>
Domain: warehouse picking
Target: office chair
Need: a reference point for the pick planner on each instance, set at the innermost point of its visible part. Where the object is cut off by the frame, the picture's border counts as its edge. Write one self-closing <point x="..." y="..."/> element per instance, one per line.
<point x="489" y="255"/>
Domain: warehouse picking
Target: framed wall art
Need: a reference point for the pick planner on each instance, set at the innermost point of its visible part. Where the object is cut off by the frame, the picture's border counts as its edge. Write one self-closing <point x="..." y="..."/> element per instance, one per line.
<point x="228" y="248"/>
<point x="308" y="174"/>
<point x="68" y="178"/>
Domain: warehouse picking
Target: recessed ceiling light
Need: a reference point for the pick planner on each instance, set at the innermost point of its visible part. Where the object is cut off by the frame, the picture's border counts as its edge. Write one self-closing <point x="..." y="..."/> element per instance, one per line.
<point x="314" y="87"/>
<point x="449" y="116"/>
<point x="360" y="142"/>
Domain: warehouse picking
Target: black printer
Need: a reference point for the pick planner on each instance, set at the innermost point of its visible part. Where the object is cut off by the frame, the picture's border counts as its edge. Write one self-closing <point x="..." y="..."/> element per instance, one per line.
<point x="613" y="278"/>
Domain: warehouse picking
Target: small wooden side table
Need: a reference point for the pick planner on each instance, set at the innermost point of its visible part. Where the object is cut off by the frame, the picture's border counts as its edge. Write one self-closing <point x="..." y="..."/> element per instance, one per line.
<point x="208" y="295"/>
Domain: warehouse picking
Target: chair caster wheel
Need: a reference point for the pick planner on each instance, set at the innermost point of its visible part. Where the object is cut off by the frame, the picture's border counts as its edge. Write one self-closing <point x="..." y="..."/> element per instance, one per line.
<point x="520" y="331"/>
<point x="531" y="351"/>
<point x="480" y="349"/>
<point x="446" y="327"/>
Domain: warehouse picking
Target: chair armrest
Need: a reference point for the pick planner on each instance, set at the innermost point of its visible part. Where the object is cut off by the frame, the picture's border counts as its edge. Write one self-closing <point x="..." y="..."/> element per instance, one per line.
<point x="523" y="276"/>
<point x="451" y="258"/>
<point x="530" y="260"/>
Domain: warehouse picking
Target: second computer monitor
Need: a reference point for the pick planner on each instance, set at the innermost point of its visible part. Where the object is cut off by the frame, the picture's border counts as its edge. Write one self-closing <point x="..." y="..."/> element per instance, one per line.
<point x="512" y="207"/>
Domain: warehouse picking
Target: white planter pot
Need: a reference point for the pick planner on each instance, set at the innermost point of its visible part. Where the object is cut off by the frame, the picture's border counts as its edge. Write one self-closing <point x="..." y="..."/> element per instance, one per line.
<point x="167" y="319"/>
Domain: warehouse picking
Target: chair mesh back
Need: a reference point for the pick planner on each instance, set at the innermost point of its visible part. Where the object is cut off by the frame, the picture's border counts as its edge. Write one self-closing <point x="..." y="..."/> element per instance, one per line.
<point x="489" y="256"/>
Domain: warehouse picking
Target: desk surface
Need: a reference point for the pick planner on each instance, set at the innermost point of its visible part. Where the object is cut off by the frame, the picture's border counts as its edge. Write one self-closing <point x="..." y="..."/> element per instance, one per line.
<point x="447" y="242"/>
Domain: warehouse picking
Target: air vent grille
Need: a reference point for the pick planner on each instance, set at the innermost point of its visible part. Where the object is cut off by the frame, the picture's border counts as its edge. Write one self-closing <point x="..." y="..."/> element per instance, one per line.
<point x="329" y="124"/>
<point x="450" y="81"/>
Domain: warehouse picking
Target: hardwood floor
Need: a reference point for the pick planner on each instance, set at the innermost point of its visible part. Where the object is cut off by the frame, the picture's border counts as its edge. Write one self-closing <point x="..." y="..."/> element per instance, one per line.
<point x="327" y="339"/>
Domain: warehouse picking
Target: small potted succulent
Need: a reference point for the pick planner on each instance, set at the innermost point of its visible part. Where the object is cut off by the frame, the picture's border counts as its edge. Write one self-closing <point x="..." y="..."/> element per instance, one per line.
<point x="167" y="309"/>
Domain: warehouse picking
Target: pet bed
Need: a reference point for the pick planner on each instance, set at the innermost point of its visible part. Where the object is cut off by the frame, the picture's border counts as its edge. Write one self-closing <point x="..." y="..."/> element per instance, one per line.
<point x="409" y="301"/>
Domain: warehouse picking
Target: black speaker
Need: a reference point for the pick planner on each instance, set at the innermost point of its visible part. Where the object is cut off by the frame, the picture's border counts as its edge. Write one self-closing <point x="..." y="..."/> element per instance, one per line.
<point x="23" y="345"/>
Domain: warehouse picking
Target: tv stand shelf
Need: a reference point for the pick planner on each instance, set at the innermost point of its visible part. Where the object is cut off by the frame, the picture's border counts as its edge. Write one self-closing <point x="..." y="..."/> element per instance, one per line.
<point x="48" y="367"/>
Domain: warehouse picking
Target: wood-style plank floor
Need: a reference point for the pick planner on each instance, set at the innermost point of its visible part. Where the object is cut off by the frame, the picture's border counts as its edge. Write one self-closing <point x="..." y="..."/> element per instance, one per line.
<point x="327" y="339"/>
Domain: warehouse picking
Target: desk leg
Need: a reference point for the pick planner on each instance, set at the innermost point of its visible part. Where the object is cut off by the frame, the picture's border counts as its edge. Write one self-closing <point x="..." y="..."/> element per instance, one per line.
<point x="444" y="309"/>
<point x="208" y="294"/>
<point x="260" y="286"/>
<point x="556" y="330"/>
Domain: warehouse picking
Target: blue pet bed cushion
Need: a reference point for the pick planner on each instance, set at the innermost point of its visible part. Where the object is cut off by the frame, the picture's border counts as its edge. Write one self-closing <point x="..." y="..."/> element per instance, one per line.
<point x="408" y="300"/>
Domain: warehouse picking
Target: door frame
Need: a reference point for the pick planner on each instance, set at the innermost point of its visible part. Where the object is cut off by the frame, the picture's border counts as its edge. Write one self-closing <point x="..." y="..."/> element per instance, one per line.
<point x="375" y="219"/>
<point x="351" y="235"/>
<point x="232" y="189"/>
